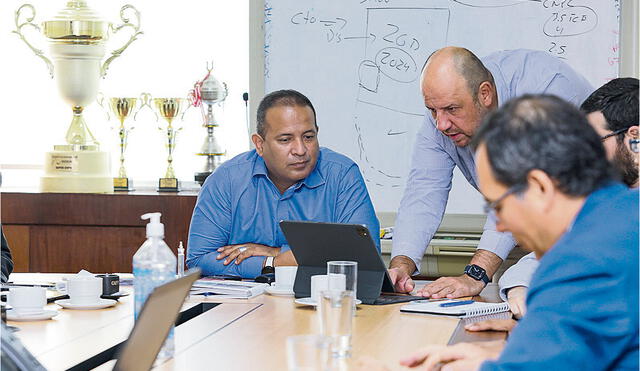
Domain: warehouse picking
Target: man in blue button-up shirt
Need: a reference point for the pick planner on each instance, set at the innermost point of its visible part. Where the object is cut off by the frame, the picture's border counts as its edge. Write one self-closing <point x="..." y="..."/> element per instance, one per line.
<point x="234" y="228"/>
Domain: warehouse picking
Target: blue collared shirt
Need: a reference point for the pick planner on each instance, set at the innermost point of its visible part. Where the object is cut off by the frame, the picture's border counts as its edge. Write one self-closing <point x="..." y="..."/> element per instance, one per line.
<point x="582" y="307"/>
<point x="239" y="204"/>
<point x="516" y="72"/>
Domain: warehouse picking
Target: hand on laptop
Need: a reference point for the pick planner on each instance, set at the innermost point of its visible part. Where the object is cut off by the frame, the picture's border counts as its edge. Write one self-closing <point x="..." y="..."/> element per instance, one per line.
<point x="242" y="251"/>
<point x="401" y="280"/>
<point x="452" y="287"/>
<point x="400" y="270"/>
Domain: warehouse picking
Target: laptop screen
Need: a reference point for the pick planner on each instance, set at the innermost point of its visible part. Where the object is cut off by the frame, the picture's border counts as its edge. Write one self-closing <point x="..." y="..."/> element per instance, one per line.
<point x="152" y="327"/>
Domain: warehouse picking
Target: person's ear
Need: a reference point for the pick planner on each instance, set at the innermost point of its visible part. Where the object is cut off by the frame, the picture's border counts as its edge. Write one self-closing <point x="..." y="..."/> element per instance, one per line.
<point x="541" y="191"/>
<point x="485" y="94"/>
<point x="258" y="143"/>
<point x="633" y="132"/>
<point x="631" y="139"/>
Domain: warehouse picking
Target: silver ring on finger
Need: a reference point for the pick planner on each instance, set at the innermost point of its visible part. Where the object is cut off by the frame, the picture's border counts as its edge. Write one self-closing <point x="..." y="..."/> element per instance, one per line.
<point x="242" y="249"/>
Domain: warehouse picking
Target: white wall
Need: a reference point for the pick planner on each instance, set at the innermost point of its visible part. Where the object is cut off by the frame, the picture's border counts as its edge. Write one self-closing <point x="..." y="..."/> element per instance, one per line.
<point x="179" y="38"/>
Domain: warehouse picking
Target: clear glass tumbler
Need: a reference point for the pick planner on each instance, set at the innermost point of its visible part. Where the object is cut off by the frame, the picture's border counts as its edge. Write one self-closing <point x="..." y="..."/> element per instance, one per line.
<point x="343" y="276"/>
<point x="308" y="352"/>
<point x="336" y="319"/>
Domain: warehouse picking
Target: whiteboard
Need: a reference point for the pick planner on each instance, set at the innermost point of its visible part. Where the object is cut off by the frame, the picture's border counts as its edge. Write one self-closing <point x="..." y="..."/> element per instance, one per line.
<point x="359" y="61"/>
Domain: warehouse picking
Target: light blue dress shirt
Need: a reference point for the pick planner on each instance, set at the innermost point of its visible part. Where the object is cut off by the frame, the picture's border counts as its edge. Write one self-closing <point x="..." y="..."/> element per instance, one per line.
<point x="516" y="72"/>
<point x="239" y="204"/>
<point x="583" y="301"/>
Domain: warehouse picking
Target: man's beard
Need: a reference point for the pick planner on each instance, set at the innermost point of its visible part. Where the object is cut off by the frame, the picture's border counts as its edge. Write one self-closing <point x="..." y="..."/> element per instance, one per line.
<point x="623" y="161"/>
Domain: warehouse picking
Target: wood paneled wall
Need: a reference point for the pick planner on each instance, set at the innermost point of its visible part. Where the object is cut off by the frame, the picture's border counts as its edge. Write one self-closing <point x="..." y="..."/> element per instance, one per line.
<point x="58" y="232"/>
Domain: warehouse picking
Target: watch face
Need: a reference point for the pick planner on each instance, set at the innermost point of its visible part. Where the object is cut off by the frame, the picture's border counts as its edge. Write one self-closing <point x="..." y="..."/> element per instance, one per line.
<point x="475" y="272"/>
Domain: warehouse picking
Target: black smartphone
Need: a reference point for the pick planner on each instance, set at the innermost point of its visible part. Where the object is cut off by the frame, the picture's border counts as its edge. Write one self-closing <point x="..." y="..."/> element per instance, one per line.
<point x="229" y="277"/>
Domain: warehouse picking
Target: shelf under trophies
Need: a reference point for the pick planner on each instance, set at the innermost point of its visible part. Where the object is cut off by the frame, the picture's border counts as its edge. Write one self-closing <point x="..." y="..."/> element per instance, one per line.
<point x="77" y="37"/>
<point x="209" y="92"/>
<point x="169" y="109"/>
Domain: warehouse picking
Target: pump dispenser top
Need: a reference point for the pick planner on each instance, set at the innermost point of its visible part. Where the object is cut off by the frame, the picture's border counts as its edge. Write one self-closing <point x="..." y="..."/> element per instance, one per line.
<point x="154" y="227"/>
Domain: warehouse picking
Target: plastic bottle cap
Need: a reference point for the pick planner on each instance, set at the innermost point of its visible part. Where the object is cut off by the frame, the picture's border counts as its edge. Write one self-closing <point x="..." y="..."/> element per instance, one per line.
<point x="154" y="227"/>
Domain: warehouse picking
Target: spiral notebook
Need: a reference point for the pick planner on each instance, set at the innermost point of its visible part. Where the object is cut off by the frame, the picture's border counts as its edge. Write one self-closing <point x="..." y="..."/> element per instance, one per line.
<point x="461" y="311"/>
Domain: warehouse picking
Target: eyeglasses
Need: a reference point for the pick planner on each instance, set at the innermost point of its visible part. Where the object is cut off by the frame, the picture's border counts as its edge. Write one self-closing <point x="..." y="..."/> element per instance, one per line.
<point x="491" y="206"/>
<point x="614" y="133"/>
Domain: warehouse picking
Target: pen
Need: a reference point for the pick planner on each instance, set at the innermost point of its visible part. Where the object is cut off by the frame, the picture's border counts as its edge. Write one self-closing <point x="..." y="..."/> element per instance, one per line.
<point x="456" y="303"/>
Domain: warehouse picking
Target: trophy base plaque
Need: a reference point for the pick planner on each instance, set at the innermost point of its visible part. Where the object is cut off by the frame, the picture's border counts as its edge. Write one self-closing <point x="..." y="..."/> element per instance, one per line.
<point x="168" y="185"/>
<point x="201" y="177"/>
<point x="76" y="169"/>
<point x="122" y="184"/>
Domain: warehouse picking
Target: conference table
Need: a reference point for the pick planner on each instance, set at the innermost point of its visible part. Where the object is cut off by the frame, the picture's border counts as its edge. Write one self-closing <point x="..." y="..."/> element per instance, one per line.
<point x="232" y="334"/>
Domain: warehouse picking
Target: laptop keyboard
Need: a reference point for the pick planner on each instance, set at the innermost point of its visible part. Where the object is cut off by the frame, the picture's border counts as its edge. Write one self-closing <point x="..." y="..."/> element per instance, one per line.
<point x="392" y="299"/>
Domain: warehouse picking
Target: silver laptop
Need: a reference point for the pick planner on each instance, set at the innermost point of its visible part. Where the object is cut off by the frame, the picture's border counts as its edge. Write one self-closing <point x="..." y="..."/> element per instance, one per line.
<point x="158" y="314"/>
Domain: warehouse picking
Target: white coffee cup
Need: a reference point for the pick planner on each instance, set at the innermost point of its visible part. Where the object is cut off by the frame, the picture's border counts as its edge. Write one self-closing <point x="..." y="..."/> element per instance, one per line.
<point x="27" y="300"/>
<point x="285" y="277"/>
<point x="84" y="289"/>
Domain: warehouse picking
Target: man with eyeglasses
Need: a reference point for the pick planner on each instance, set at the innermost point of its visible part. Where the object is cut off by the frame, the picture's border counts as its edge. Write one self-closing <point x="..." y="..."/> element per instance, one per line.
<point x="459" y="90"/>
<point x="544" y="171"/>
<point x="612" y="110"/>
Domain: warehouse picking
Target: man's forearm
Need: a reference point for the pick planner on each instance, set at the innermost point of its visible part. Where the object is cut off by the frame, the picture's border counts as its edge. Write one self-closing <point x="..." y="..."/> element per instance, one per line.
<point x="487" y="260"/>
<point x="403" y="263"/>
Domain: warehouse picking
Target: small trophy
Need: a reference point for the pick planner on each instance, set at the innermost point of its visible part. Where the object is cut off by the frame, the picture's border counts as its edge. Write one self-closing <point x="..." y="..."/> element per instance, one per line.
<point x="207" y="93"/>
<point x="77" y="38"/>
<point x="169" y="109"/>
<point x="122" y="108"/>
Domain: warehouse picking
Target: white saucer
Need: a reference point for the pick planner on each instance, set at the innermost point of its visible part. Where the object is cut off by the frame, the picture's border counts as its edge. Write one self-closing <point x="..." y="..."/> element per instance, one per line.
<point x="46" y="314"/>
<point x="278" y="291"/>
<point x="309" y="301"/>
<point x="102" y="303"/>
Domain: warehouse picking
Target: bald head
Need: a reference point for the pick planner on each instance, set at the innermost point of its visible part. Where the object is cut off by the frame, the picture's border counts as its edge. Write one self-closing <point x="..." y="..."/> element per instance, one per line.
<point x="455" y="62"/>
<point x="458" y="91"/>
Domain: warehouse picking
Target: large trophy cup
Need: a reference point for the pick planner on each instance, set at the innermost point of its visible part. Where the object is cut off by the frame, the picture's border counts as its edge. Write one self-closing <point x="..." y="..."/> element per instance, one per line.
<point x="77" y="37"/>
<point x="169" y="109"/>
<point x="121" y="108"/>
<point x="209" y="92"/>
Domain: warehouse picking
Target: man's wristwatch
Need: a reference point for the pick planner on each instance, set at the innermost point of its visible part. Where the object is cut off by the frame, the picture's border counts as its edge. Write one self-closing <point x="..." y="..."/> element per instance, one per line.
<point x="268" y="265"/>
<point x="477" y="273"/>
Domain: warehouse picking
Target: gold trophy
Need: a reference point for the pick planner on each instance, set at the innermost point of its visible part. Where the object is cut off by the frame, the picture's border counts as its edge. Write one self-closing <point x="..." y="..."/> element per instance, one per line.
<point x="77" y="37"/>
<point x="170" y="109"/>
<point x="121" y="108"/>
<point x="209" y="92"/>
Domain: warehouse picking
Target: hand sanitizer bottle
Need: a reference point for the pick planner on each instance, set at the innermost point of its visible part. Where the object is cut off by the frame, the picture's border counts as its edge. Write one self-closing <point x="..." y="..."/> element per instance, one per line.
<point x="153" y="265"/>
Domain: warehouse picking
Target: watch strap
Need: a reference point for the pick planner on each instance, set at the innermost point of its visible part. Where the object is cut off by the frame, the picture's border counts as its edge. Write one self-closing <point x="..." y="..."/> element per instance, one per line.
<point x="268" y="265"/>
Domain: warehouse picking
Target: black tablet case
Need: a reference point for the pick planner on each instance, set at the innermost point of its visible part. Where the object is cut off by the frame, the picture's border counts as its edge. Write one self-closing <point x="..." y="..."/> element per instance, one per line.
<point x="314" y="244"/>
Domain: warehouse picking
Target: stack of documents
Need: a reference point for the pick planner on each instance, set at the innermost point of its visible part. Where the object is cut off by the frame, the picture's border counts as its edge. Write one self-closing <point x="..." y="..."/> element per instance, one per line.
<point x="227" y="289"/>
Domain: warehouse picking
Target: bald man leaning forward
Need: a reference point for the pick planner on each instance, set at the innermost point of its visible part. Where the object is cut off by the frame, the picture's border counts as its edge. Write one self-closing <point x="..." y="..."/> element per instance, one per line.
<point x="459" y="89"/>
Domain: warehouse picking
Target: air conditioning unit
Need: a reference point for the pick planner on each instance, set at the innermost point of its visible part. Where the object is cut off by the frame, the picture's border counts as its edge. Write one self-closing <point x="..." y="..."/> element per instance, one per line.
<point x="450" y="249"/>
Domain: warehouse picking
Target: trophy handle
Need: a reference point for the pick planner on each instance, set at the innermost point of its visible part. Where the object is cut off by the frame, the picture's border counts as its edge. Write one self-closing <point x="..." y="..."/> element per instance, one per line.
<point x="29" y="22"/>
<point x="190" y="104"/>
<point x="100" y="100"/>
<point x="145" y="101"/>
<point x="136" y="32"/>
<point x="226" y="91"/>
